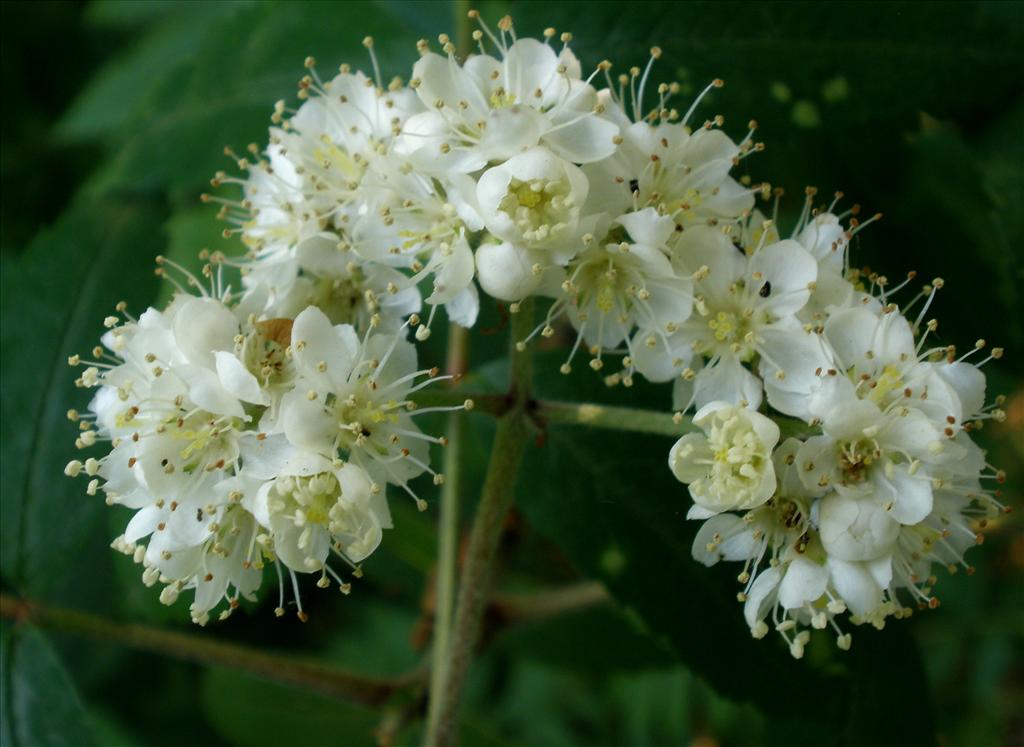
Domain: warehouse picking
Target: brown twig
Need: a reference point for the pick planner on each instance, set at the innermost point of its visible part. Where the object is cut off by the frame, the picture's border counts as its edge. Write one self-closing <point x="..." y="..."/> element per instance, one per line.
<point x="311" y="676"/>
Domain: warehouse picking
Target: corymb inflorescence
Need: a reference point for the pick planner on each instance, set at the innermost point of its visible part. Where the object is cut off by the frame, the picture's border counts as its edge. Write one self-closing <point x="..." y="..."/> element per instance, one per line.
<point x="828" y="443"/>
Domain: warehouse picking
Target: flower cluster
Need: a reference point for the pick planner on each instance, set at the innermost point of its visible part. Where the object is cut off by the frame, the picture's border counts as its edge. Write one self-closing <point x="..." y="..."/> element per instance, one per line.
<point x="834" y="461"/>
<point x="508" y="170"/>
<point x="239" y="440"/>
<point x="879" y="480"/>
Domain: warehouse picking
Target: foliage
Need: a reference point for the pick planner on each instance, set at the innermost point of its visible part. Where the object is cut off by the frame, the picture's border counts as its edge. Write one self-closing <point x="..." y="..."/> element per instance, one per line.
<point x="911" y="109"/>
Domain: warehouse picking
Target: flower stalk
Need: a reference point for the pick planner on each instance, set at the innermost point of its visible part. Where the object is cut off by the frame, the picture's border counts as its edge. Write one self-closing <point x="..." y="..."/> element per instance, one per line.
<point x="507" y="453"/>
<point x="448" y="531"/>
<point x="316" y="678"/>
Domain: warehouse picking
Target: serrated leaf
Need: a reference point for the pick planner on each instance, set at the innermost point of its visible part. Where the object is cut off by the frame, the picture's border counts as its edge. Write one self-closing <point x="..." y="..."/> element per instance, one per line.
<point x="55" y="297"/>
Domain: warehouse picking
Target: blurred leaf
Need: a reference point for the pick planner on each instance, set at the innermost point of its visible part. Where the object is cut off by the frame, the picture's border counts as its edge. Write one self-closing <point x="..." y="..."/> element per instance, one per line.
<point x="866" y="75"/>
<point x="570" y="640"/>
<point x="620" y="515"/>
<point x="886" y="673"/>
<point x="129" y="13"/>
<point x="537" y="703"/>
<point x="967" y="203"/>
<point x="55" y="297"/>
<point x="253" y="713"/>
<point x="248" y="60"/>
<point x="120" y="92"/>
<point x="375" y="638"/>
<point x="39" y="706"/>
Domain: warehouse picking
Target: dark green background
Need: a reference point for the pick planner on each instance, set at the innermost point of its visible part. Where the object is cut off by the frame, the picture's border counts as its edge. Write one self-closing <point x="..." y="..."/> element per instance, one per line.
<point x="115" y="115"/>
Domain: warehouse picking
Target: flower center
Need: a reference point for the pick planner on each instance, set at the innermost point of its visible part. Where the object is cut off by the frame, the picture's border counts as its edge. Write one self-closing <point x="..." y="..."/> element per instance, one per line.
<point x="856" y="458"/>
<point x="263" y="351"/>
<point x="738" y="458"/>
<point x="501" y="99"/>
<point x="358" y="419"/>
<point x="732" y="332"/>
<point x="203" y="435"/>
<point x="313" y="497"/>
<point x="539" y="208"/>
<point x="337" y="161"/>
<point x="879" y="390"/>
<point x="341" y="299"/>
<point x="727" y="327"/>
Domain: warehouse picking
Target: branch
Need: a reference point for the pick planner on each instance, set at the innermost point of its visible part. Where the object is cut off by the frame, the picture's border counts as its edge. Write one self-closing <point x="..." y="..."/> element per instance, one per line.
<point x="488" y="404"/>
<point x="535" y="606"/>
<point x="614" y="418"/>
<point x="507" y="453"/>
<point x="310" y="676"/>
<point x="594" y="415"/>
<point x="448" y="530"/>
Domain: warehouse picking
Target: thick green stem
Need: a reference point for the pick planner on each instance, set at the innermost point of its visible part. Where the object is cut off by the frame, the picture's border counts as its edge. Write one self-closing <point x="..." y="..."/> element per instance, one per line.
<point x="507" y="453"/>
<point x="286" y="670"/>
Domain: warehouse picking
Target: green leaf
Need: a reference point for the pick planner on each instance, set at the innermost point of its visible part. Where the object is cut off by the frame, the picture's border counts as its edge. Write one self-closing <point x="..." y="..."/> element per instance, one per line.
<point x="253" y="713"/>
<point x="121" y="91"/>
<point x="39" y="706"/>
<point x="852" y="82"/>
<point x="976" y="185"/>
<point x="55" y="297"/>
<point x="247" y="61"/>
<point x="570" y="640"/>
<point x="620" y="516"/>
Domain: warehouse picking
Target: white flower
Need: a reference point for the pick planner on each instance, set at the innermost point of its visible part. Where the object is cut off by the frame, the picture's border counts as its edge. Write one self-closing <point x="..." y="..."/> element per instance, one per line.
<point x="828" y="242"/>
<point x="684" y="174"/>
<point x="409" y="223"/>
<point x="312" y="515"/>
<point x="221" y="566"/>
<point x="177" y="407"/>
<point x="301" y="198"/>
<point x="787" y="574"/>
<point x="351" y="400"/>
<point x="888" y="426"/>
<point x="531" y="203"/>
<point x="730" y="467"/>
<point x="855" y="530"/>
<point x="321" y="270"/>
<point x="316" y="161"/>
<point x="488" y="110"/>
<point x="746" y="307"/>
<point x="627" y="282"/>
<point x="187" y="410"/>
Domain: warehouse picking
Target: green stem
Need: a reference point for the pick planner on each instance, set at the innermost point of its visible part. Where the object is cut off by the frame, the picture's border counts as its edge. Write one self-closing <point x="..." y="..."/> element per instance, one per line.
<point x="507" y="453"/>
<point x="488" y="404"/>
<point x="448" y="532"/>
<point x="310" y="676"/>
<point x="594" y="415"/>
<point x="534" y="606"/>
<point x="615" y="418"/>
